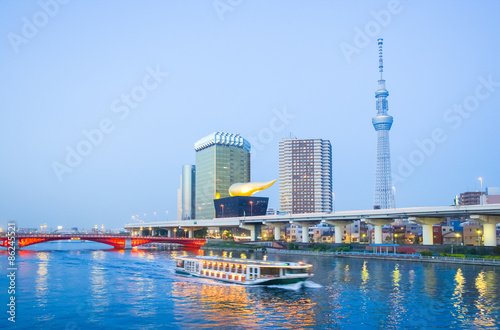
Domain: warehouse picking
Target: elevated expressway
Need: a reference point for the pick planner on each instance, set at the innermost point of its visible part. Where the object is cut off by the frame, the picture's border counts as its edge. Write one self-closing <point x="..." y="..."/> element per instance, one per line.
<point x="487" y="215"/>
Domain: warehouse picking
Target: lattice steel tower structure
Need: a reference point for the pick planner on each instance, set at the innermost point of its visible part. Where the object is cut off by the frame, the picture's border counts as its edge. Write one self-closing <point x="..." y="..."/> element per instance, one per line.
<point x="384" y="198"/>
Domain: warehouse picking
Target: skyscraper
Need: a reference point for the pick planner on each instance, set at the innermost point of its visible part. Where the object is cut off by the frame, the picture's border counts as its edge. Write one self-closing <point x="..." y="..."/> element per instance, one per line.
<point x="305" y="175"/>
<point x="382" y="122"/>
<point x="186" y="194"/>
<point x="221" y="160"/>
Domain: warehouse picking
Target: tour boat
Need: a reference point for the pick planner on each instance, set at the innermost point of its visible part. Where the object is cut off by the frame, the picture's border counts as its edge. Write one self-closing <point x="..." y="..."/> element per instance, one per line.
<point x="243" y="271"/>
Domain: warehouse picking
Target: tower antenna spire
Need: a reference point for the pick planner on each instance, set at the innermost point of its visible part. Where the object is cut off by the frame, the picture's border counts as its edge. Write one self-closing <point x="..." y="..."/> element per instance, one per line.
<point x="382" y="122"/>
<point x="380" y="58"/>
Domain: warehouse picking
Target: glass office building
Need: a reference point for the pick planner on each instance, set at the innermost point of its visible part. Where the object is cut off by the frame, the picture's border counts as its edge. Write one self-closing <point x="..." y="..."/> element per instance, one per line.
<point x="221" y="160"/>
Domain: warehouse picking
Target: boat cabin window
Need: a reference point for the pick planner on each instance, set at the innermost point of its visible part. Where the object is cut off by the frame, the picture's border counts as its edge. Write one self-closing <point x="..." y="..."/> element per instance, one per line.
<point x="296" y="271"/>
<point x="180" y="263"/>
<point x="269" y="271"/>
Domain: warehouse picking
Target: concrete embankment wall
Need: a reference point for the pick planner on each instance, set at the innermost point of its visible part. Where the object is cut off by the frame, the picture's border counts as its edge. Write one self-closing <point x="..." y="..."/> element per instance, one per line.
<point x="393" y="257"/>
<point x="406" y="248"/>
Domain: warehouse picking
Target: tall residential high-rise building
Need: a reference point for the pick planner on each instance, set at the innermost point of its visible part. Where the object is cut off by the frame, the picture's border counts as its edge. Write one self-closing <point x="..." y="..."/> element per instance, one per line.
<point x="186" y="194"/>
<point x="305" y="175"/>
<point x="384" y="197"/>
<point x="221" y="160"/>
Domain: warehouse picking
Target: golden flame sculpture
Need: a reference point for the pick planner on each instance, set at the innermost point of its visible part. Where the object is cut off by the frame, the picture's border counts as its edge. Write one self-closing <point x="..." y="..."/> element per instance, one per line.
<point x="249" y="188"/>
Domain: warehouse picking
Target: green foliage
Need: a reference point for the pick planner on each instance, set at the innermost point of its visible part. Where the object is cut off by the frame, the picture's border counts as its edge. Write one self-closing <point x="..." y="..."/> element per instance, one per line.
<point x="201" y="233"/>
<point x="472" y="251"/>
<point x="319" y="247"/>
<point x="482" y="251"/>
<point x="293" y="246"/>
<point x="344" y="248"/>
<point x="452" y="255"/>
<point x="496" y="250"/>
<point x="228" y="245"/>
<point x="491" y="257"/>
<point x="426" y="253"/>
<point x="227" y="235"/>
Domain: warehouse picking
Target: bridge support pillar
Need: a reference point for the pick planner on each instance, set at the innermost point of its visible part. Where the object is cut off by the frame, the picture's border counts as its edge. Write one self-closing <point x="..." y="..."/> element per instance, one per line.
<point x="338" y="233"/>
<point x="338" y="224"/>
<point x="305" y="234"/>
<point x="128" y="244"/>
<point x="427" y="223"/>
<point x="255" y="230"/>
<point x="489" y="228"/>
<point x="277" y="229"/>
<point x="377" y="226"/>
<point x="191" y="233"/>
<point x="305" y="228"/>
<point x="152" y="232"/>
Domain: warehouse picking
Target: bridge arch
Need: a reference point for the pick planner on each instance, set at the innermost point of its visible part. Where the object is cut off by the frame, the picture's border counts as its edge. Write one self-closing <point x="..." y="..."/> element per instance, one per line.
<point x="117" y="241"/>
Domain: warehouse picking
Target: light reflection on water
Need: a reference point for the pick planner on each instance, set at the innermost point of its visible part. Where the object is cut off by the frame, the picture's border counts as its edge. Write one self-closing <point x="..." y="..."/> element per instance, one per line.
<point x="239" y="307"/>
<point x="98" y="283"/>
<point x="457" y="299"/>
<point x="88" y="288"/>
<point x="483" y="303"/>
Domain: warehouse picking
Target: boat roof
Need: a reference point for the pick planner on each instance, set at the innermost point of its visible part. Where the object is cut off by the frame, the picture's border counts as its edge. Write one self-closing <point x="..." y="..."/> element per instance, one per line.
<point x="249" y="262"/>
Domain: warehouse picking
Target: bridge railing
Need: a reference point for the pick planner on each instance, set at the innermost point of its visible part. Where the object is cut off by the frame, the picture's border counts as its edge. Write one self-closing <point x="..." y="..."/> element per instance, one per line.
<point x="475" y="260"/>
<point x="69" y="236"/>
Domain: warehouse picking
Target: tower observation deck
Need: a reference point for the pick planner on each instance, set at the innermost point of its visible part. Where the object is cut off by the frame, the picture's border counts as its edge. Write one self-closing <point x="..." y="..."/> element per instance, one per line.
<point x="382" y="123"/>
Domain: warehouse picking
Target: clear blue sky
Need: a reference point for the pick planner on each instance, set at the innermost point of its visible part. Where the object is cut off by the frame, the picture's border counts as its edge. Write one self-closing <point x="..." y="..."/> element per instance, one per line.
<point x="230" y="68"/>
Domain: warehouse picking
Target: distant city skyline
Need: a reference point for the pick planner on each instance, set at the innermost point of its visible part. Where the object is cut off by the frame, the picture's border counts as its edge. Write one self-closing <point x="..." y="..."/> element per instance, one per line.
<point x="102" y="102"/>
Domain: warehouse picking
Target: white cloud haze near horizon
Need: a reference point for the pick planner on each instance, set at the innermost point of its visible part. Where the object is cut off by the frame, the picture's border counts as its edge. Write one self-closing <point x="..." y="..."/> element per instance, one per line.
<point x="130" y="86"/>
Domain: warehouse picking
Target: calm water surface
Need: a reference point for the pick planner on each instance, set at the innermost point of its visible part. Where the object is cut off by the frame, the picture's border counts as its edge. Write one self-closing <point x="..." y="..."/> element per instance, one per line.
<point x="86" y="285"/>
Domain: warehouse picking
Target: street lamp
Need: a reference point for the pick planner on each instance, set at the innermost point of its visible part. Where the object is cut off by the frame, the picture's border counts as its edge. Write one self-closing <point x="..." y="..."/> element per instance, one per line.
<point x="45" y="225"/>
<point x="102" y="229"/>
<point x="478" y="237"/>
<point x="457" y="235"/>
<point x="481" y="179"/>
<point x="251" y="208"/>
<point x="41" y="229"/>
<point x="364" y="235"/>
<point x="95" y="227"/>
<point x="395" y="238"/>
<point x="150" y="231"/>
<point x="222" y="206"/>
<point x="175" y="232"/>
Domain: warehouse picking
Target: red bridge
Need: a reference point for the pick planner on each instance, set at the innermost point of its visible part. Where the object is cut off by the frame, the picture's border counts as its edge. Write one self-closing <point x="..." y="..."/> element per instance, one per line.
<point x="117" y="241"/>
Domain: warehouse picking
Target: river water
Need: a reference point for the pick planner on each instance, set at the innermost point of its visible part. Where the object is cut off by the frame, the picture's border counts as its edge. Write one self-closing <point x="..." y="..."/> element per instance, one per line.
<point x="87" y="285"/>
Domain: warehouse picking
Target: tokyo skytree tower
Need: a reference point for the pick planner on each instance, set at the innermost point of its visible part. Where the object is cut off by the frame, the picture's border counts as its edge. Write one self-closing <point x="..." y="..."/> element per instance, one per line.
<point x="382" y="122"/>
